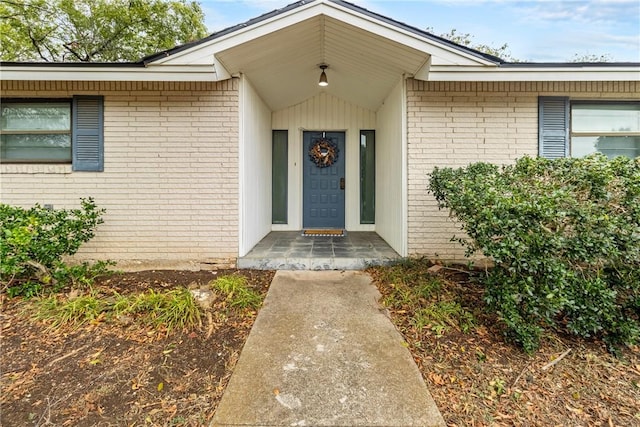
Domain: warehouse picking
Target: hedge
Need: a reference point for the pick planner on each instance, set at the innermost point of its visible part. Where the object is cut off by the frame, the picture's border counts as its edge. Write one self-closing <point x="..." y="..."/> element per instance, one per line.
<point x="565" y="239"/>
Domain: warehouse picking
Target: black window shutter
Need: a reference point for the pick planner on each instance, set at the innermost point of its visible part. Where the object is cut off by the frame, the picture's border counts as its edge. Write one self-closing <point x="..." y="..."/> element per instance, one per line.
<point x="88" y="134"/>
<point x="553" y="127"/>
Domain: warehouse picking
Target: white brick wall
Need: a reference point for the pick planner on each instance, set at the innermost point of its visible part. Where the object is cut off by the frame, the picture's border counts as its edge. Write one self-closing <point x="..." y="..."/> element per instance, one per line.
<point x="170" y="184"/>
<point x="454" y="124"/>
<point x="170" y="180"/>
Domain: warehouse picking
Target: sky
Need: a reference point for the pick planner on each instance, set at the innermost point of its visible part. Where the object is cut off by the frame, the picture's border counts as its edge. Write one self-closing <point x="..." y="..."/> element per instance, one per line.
<point x="535" y="30"/>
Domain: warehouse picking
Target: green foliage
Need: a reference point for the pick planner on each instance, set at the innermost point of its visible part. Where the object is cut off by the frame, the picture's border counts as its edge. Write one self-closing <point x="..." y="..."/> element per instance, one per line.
<point x="592" y="57"/>
<point x="175" y="308"/>
<point x="565" y="239"/>
<point x="441" y="316"/>
<point x="80" y="275"/>
<point x="503" y="52"/>
<point x="95" y="30"/>
<point x="237" y="292"/>
<point x="466" y="39"/>
<point x="413" y="290"/>
<point x="34" y="241"/>
<point x="172" y="309"/>
<point x="411" y="280"/>
<point x="498" y="386"/>
<point x="26" y="289"/>
<point x="73" y="311"/>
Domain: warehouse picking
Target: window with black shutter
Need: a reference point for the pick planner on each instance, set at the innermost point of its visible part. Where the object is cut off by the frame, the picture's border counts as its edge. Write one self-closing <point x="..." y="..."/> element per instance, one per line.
<point x="53" y="131"/>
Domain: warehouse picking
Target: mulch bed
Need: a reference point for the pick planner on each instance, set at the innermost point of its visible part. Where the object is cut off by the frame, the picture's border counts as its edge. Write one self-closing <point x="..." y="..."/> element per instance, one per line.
<point x="478" y="379"/>
<point x="113" y="374"/>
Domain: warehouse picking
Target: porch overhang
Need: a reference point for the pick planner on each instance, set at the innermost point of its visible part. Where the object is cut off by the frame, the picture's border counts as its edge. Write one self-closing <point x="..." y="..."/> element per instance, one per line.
<point x="280" y="54"/>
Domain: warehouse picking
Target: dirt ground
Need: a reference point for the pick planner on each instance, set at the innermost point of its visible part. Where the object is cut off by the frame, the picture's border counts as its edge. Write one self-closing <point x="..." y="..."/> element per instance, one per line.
<point x="478" y="379"/>
<point x="107" y="374"/>
<point x="123" y="374"/>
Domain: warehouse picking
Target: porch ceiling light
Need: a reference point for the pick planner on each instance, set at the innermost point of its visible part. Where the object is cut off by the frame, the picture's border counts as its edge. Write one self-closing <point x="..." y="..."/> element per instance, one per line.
<point x="323" y="76"/>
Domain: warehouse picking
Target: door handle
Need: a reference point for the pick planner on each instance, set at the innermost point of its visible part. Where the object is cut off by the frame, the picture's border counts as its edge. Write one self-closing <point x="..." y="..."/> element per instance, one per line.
<point x="342" y="183"/>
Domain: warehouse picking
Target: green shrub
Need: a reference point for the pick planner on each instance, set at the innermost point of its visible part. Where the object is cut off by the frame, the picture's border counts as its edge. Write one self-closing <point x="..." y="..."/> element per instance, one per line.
<point x="34" y="241"/>
<point x="565" y="239"/>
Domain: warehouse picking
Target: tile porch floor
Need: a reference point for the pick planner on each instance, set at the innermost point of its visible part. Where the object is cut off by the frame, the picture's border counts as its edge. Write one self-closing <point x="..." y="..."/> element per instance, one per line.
<point x="289" y="250"/>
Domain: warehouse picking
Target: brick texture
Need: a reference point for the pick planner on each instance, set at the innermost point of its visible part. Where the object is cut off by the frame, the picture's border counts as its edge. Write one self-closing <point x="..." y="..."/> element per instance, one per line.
<point x="170" y="184"/>
<point x="457" y="123"/>
<point x="170" y="180"/>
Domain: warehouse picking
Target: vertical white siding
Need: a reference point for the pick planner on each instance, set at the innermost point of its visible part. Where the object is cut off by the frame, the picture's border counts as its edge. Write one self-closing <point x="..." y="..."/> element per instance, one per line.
<point x="325" y="112"/>
<point x="390" y="182"/>
<point x="255" y="167"/>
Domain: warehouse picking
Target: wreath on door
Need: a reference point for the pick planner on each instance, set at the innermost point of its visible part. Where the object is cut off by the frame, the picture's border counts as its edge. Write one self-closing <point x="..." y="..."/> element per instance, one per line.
<point x="323" y="153"/>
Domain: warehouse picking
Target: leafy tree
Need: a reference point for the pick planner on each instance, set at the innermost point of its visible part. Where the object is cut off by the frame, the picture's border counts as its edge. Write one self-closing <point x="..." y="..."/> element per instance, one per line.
<point x="466" y="39"/>
<point x="95" y="30"/>
<point x="592" y="57"/>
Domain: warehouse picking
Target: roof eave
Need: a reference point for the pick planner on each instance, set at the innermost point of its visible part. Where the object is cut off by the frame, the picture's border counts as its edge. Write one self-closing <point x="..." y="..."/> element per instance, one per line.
<point x="107" y="72"/>
<point x="567" y="72"/>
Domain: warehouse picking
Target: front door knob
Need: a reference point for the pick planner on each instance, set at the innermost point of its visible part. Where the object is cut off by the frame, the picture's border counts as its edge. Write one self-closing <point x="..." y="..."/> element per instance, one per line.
<point x="342" y="183"/>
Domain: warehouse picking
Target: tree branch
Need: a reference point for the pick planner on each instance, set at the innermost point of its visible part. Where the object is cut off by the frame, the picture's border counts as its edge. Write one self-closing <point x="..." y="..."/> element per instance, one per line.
<point x="73" y="52"/>
<point x="35" y="44"/>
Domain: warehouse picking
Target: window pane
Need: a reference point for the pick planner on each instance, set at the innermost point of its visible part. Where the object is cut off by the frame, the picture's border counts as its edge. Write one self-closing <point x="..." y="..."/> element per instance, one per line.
<point x="279" y="177"/>
<point x="36" y="116"/>
<point x="40" y="147"/>
<point x="610" y="146"/>
<point x="605" y="118"/>
<point x="367" y="177"/>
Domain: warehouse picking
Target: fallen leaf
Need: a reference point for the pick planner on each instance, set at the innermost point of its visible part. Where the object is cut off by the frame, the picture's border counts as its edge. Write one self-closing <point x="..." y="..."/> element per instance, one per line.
<point x="574" y="410"/>
<point x="436" y="378"/>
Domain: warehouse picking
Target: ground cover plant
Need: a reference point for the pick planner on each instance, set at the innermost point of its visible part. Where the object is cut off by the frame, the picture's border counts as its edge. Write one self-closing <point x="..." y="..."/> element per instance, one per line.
<point x="564" y="236"/>
<point x="478" y="379"/>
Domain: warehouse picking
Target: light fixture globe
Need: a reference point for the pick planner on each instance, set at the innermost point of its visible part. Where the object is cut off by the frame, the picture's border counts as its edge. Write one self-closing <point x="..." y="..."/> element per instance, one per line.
<point x="323" y="76"/>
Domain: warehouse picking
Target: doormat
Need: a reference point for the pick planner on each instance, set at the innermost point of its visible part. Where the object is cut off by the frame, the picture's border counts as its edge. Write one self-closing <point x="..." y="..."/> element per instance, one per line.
<point x="320" y="232"/>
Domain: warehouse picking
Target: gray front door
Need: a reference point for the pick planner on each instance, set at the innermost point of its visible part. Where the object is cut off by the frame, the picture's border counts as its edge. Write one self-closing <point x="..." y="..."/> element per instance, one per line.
<point x="323" y="179"/>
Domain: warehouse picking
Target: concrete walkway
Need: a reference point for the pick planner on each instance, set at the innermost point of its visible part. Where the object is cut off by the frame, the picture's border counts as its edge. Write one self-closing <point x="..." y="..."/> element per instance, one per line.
<point x="323" y="353"/>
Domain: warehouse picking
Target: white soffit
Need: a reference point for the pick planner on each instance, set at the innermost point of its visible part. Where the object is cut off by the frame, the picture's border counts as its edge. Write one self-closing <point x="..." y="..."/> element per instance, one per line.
<point x="283" y="65"/>
<point x="280" y="55"/>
